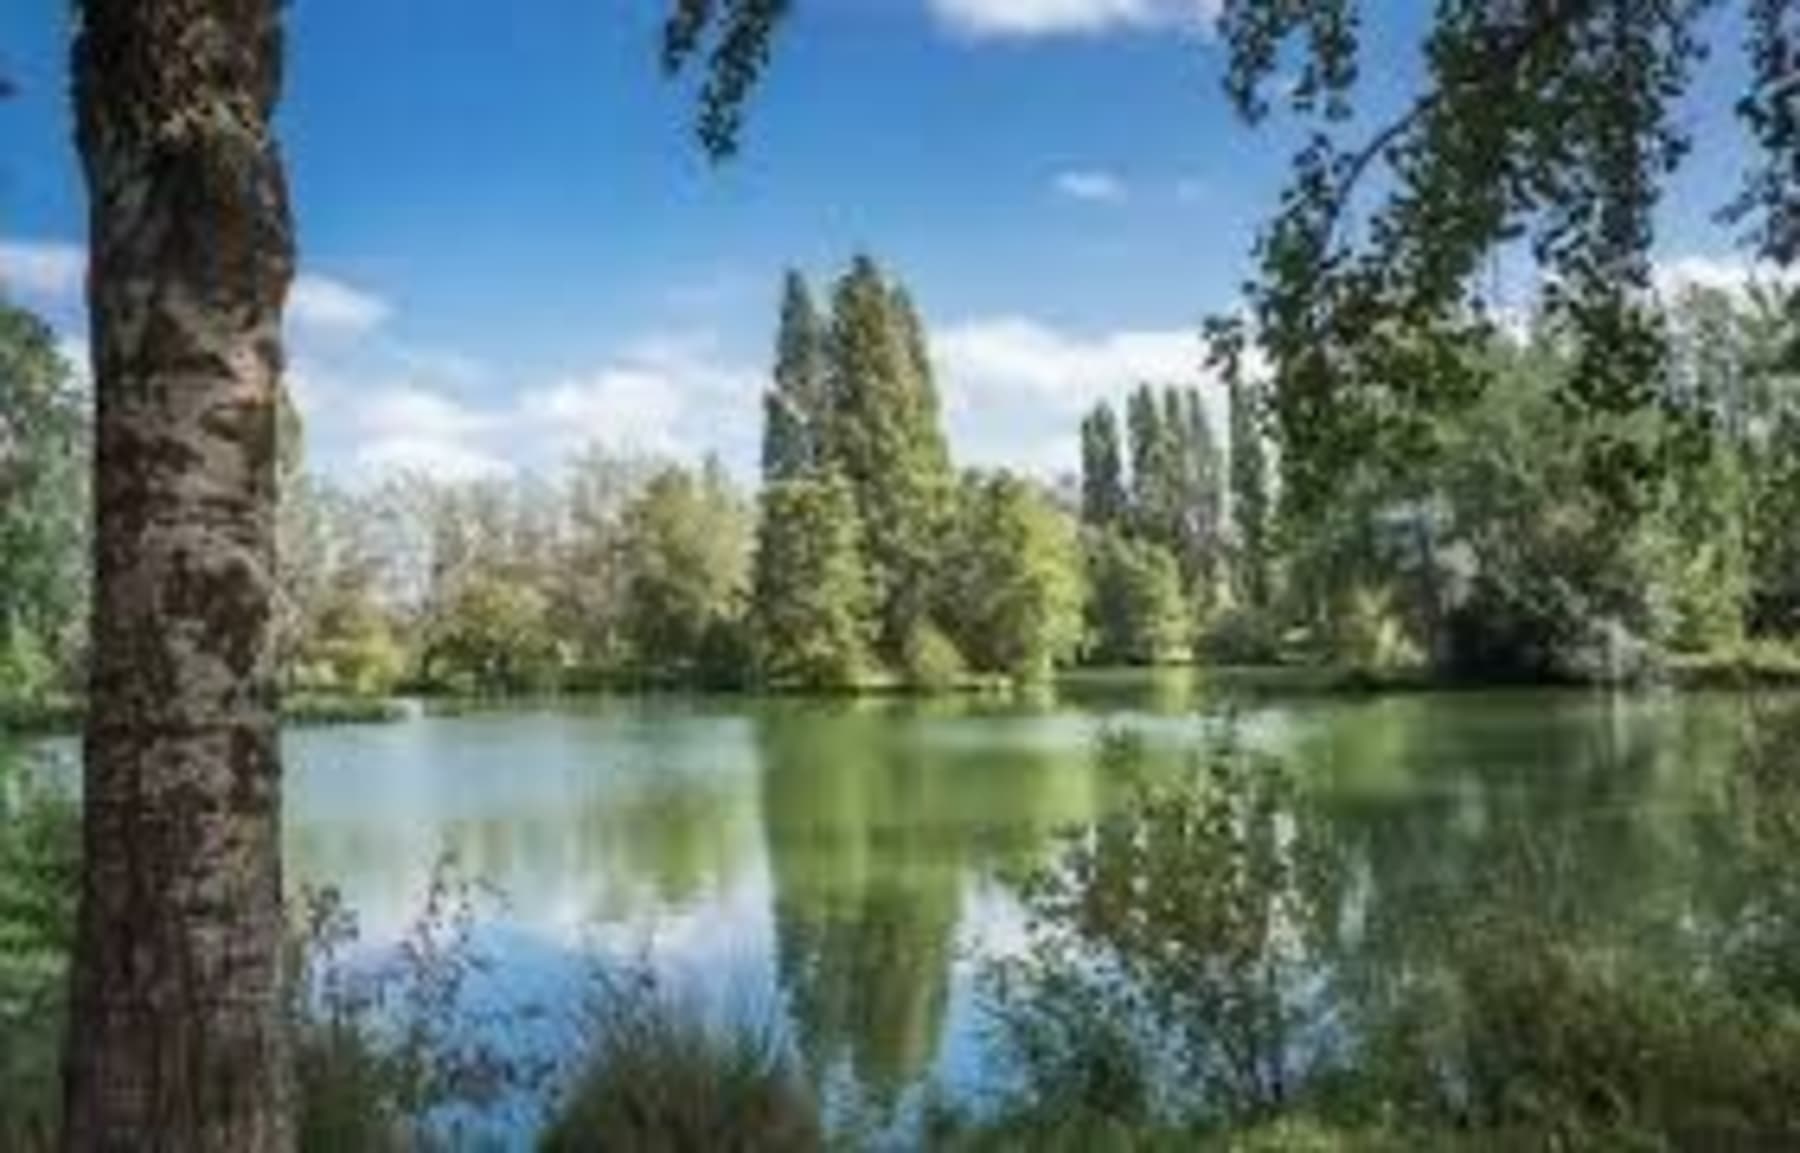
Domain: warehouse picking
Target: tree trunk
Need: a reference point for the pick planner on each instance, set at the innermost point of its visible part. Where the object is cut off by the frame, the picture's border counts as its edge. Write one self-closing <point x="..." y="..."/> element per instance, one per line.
<point x="177" y="1038"/>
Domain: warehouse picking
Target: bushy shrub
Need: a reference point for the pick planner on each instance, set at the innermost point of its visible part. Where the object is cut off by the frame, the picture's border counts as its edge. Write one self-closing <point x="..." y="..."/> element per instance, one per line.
<point x="39" y="861"/>
<point x="1241" y="635"/>
<point x="932" y="661"/>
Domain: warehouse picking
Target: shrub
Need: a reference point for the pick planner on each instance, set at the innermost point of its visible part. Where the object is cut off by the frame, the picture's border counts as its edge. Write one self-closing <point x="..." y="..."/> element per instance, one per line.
<point x="1240" y="635"/>
<point x="39" y="849"/>
<point x="931" y="659"/>
<point x="660" y="1076"/>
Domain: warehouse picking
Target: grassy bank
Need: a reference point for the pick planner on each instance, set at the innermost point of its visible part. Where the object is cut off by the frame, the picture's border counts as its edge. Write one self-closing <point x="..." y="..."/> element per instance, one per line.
<point x="64" y="716"/>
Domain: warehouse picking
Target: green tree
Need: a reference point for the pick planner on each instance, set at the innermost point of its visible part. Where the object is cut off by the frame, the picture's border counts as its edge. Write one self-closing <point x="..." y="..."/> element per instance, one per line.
<point x="810" y="614"/>
<point x="1104" y="501"/>
<point x="796" y="410"/>
<point x="687" y="557"/>
<point x="44" y="447"/>
<point x="588" y="586"/>
<point x="491" y="636"/>
<point x="1153" y="454"/>
<point x="1015" y="589"/>
<point x="1250" y="500"/>
<point x="1137" y="611"/>
<point x="886" y="440"/>
<point x="1548" y="128"/>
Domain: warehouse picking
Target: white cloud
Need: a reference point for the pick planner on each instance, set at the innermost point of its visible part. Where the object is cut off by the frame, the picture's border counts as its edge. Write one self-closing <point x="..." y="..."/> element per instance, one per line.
<point x="664" y="396"/>
<point x="1090" y="185"/>
<point x="46" y="270"/>
<point x="1015" y="388"/>
<point x="324" y="305"/>
<point x="1717" y="273"/>
<point x="1023" y="19"/>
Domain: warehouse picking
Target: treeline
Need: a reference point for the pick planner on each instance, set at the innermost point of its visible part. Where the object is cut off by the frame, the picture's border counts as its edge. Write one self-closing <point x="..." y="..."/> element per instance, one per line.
<point x="1499" y="545"/>
<point x="863" y="560"/>
<point x="1511" y="537"/>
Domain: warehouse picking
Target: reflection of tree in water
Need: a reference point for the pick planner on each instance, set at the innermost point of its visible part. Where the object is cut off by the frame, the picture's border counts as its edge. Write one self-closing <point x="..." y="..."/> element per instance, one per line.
<point x="867" y="875"/>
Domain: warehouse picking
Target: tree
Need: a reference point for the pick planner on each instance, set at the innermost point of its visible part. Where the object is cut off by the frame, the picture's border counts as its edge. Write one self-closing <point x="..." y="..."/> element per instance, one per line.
<point x="44" y="447"/>
<point x="1015" y="584"/>
<point x="491" y="635"/>
<point x="177" y="1035"/>
<point x="1137" y="611"/>
<point x="810" y="601"/>
<point x="588" y="587"/>
<point x="1152" y="455"/>
<point x="1203" y="505"/>
<point x="1104" y="501"/>
<point x="796" y="411"/>
<point x="886" y="440"/>
<point x="687" y="555"/>
<point x="1249" y="489"/>
<point x="1549" y="128"/>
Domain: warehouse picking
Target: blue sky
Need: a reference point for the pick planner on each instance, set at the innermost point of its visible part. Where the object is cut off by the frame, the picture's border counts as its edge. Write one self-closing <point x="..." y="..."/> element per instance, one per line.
<point x="510" y="244"/>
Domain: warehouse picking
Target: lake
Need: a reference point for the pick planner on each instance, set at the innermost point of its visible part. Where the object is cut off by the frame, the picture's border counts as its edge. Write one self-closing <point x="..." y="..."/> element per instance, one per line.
<point x="853" y="862"/>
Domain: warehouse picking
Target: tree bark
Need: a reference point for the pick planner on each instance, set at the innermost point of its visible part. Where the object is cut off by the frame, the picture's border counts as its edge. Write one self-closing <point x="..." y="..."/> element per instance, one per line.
<point x="178" y="1034"/>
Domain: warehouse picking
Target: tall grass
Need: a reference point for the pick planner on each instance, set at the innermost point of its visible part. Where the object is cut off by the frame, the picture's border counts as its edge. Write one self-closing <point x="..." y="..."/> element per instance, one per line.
<point x="662" y="1074"/>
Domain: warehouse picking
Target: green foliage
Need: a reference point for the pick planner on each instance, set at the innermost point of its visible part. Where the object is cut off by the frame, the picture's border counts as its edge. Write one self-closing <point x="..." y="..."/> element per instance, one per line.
<point x="1014" y="589"/>
<point x="687" y="548"/>
<point x="1104" y="501"/>
<point x="1166" y="972"/>
<point x="930" y="660"/>
<point x="1236" y="635"/>
<point x="1250" y="488"/>
<point x="886" y="441"/>
<point x="1548" y="128"/>
<point x="1137" y="613"/>
<point x="1227" y="960"/>
<point x="44" y="517"/>
<point x="797" y="410"/>
<point x="492" y="636"/>
<point x="660" y="1076"/>
<point x="39" y="830"/>
<point x="810" y="599"/>
<point x="740" y="34"/>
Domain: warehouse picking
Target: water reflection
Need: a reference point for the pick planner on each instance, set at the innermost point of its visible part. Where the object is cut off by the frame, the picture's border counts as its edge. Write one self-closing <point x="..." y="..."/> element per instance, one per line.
<point x="844" y="858"/>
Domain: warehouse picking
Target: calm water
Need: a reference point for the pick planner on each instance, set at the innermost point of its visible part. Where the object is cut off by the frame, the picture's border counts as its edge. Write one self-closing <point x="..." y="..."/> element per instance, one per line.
<point x="852" y="862"/>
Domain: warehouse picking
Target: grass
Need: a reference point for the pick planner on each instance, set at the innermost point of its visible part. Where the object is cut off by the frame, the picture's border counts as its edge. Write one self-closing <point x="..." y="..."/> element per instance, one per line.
<point x="661" y="1075"/>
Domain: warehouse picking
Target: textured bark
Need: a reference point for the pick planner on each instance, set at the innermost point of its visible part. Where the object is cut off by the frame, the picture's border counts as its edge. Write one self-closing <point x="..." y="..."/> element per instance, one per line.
<point x="177" y="1040"/>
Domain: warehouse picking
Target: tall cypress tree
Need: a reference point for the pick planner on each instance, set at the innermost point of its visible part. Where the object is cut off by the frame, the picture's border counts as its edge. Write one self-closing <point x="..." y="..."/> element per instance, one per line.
<point x="1149" y="469"/>
<point x="794" y="408"/>
<point x="884" y="435"/>
<point x="1249" y="491"/>
<point x="1205" y="496"/>
<point x="1104" y="501"/>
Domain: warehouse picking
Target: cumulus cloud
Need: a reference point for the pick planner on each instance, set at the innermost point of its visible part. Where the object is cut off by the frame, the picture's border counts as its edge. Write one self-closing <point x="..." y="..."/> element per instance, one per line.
<point x="1015" y="388"/>
<point x="669" y="396"/>
<point x="328" y="306"/>
<point x="1090" y="185"/>
<point x="44" y="270"/>
<point x="1021" y="19"/>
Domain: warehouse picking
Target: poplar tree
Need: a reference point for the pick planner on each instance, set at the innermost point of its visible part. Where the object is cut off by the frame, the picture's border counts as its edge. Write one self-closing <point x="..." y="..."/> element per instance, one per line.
<point x="1104" y="501"/>
<point x="810" y="601"/>
<point x="885" y="437"/>
<point x="796" y="406"/>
